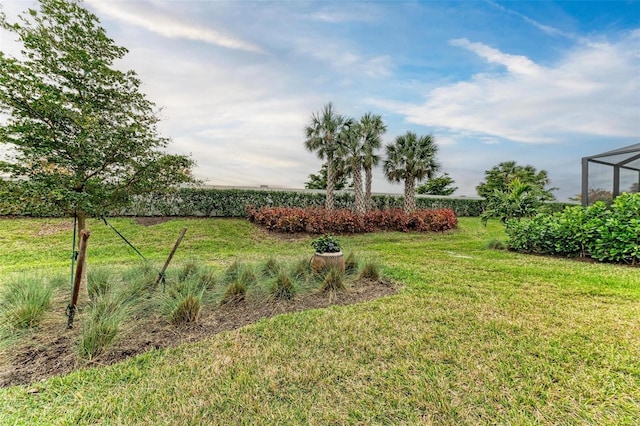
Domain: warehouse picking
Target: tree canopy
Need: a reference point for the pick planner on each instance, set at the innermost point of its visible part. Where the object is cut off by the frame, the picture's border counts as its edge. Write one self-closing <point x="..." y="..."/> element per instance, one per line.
<point x="499" y="177"/>
<point x="322" y="137"/>
<point x="411" y="158"/>
<point x="81" y="134"/>
<point x="440" y="185"/>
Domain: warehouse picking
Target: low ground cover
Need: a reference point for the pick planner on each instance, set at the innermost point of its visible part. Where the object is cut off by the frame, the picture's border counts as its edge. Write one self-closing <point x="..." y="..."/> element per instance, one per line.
<point x="475" y="336"/>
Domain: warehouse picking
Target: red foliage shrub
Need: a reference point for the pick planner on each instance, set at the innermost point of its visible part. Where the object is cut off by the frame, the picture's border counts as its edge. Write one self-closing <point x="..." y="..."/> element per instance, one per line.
<point x="321" y="221"/>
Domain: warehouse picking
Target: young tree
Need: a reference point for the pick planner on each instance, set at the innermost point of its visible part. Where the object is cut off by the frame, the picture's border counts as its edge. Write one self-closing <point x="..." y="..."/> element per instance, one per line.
<point x="520" y="199"/>
<point x="322" y="137"/>
<point x="83" y="137"/>
<point x="319" y="181"/>
<point x="441" y="185"/>
<point x="411" y="158"/>
<point x="499" y="177"/>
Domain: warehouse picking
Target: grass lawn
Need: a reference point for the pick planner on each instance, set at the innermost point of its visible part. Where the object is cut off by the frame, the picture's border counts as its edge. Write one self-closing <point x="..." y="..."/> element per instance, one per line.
<point x="475" y="336"/>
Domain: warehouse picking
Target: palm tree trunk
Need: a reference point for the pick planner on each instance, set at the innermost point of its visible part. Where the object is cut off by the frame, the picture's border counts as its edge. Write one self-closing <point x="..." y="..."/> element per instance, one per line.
<point x="330" y="183"/>
<point x="409" y="194"/>
<point x="367" y="194"/>
<point x="356" y="173"/>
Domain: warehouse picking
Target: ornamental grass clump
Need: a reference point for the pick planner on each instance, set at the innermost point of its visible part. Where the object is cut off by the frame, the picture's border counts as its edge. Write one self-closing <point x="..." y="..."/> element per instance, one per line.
<point x="370" y="271"/>
<point x="333" y="280"/>
<point x="283" y="287"/>
<point x="271" y="268"/>
<point x="101" y="325"/>
<point x="184" y="300"/>
<point x="350" y="264"/>
<point x="99" y="281"/>
<point x="23" y="303"/>
<point x="237" y="289"/>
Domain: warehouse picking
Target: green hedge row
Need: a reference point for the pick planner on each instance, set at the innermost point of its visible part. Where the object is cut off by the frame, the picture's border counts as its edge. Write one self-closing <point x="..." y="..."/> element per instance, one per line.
<point x="234" y="202"/>
<point x="607" y="234"/>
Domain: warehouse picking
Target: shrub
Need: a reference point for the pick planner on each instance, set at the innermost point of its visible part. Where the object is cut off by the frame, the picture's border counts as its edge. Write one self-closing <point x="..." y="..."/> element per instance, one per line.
<point x="24" y="302"/>
<point x="321" y="221"/>
<point x="605" y="234"/>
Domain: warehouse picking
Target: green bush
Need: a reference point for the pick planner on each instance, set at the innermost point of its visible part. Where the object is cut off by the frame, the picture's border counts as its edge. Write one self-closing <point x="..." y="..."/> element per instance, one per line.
<point x="608" y="234"/>
<point x="210" y="202"/>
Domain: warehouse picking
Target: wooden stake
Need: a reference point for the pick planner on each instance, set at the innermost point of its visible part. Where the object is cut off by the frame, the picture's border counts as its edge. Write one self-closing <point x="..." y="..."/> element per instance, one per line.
<point x="173" y="251"/>
<point x="82" y="256"/>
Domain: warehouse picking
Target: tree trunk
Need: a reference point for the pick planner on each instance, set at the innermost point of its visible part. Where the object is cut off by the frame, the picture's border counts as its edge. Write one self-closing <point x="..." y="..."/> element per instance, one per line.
<point x="367" y="194"/>
<point x="83" y="295"/>
<point x="330" y="183"/>
<point x="409" y="194"/>
<point x="356" y="172"/>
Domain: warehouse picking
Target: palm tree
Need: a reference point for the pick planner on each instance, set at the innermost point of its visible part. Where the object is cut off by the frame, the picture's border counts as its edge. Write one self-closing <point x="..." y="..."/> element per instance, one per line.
<point x="352" y="151"/>
<point x="411" y="158"/>
<point x="322" y="137"/>
<point x="372" y="128"/>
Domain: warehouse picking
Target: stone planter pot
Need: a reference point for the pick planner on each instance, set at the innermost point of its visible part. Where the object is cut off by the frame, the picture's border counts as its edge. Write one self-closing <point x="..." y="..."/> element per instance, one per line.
<point x="323" y="261"/>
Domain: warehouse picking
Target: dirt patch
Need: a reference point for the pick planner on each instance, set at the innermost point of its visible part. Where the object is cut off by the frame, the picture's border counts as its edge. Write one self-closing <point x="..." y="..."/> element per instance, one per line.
<point x="53" y="228"/>
<point x="52" y="351"/>
<point x="151" y="220"/>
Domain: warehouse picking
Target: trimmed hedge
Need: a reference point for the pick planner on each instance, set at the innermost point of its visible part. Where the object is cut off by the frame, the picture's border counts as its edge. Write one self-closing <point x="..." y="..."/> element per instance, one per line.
<point x="607" y="234"/>
<point x="235" y="202"/>
<point x="343" y="221"/>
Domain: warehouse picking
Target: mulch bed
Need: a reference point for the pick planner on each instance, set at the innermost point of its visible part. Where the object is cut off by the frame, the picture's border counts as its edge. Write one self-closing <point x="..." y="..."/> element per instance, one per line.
<point x="52" y="350"/>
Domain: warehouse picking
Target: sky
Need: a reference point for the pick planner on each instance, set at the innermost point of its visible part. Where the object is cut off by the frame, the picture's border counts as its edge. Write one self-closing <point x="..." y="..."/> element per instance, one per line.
<point x="542" y="83"/>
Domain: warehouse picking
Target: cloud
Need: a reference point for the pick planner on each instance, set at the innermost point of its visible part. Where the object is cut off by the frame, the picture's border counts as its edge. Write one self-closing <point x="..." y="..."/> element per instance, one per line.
<point x="165" y="25"/>
<point x="593" y="90"/>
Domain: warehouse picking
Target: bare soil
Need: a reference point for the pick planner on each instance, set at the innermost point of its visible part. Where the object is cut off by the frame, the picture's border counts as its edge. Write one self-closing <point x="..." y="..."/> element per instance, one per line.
<point x="52" y="349"/>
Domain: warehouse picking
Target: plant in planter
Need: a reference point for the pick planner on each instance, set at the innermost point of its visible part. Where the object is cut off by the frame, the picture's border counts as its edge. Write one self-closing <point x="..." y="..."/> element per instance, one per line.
<point x="326" y="244"/>
<point x="328" y="254"/>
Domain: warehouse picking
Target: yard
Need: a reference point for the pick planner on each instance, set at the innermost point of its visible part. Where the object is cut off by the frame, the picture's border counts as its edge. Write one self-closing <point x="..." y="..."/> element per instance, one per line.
<point x="473" y="336"/>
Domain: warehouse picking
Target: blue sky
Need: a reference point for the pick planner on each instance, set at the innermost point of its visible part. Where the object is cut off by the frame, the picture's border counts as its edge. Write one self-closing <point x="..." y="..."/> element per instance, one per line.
<point x="542" y="83"/>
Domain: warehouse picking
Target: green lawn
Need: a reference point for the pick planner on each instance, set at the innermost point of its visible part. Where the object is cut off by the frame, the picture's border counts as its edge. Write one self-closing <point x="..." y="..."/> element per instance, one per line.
<point x="475" y="336"/>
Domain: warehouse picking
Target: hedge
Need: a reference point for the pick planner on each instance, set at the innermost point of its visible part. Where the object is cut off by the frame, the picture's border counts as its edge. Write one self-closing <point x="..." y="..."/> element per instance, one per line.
<point x="606" y="234"/>
<point x="235" y="202"/>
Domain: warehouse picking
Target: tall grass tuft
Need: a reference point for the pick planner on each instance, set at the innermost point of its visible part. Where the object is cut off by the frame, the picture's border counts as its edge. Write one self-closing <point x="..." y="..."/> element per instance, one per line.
<point x="99" y="281"/>
<point x="283" y="287"/>
<point x="233" y="271"/>
<point x="237" y="290"/>
<point x="301" y="270"/>
<point x="138" y="282"/>
<point x="350" y="264"/>
<point x="23" y="302"/>
<point x="370" y="271"/>
<point x="104" y="319"/>
<point x="183" y="302"/>
<point x="333" y="280"/>
<point x="188" y="270"/>
<point x="271" y="268"/>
